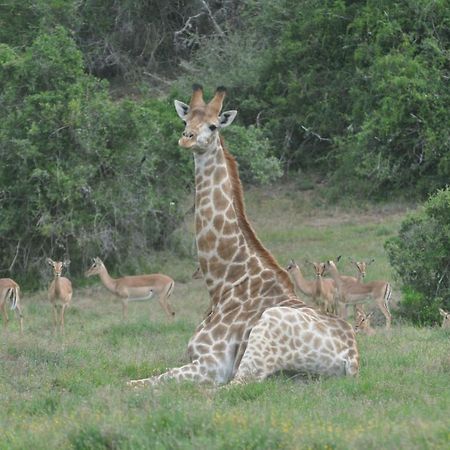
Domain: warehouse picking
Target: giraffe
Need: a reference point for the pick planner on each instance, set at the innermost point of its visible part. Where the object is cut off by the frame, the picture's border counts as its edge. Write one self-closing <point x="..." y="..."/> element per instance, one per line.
<point x="256" y="325"/>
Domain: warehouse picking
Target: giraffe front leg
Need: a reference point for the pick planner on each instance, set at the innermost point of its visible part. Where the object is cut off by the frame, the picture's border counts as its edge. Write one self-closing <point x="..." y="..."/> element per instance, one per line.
<point x="199" y="371"/>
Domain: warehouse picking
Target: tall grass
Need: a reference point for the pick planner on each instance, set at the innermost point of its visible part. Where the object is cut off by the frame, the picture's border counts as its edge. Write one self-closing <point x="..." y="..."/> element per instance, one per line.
<point x="69" y="392"/>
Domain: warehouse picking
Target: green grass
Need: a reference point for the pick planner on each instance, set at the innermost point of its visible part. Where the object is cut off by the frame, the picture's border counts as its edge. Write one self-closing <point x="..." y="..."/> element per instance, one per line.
<point x="70" y="392"/>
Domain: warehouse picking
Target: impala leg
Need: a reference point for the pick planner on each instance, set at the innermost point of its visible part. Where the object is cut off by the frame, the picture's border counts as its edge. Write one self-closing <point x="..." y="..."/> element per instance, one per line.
<point x="386" y="313"/>
<point x="55" y="317"/>
<point x="5" y="315"/>
<point x="19" y="313"/>
<point x="63" y="309"/>
<point x="162" y="302"/>
<point x="165" y="295"/>
<point x="125" y="309"/>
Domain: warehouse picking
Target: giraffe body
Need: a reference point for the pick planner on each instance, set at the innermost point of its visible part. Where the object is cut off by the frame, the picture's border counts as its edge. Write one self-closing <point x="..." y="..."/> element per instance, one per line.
<point x="251" y="295"/>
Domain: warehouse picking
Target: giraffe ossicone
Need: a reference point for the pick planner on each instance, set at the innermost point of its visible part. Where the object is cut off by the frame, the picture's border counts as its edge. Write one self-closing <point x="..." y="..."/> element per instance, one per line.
<point x="256" y="325"/>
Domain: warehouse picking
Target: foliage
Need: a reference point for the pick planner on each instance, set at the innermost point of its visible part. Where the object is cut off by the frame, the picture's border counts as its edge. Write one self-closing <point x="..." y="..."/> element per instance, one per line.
<point x="82" y="175"/>
<point x="420" y="255"/>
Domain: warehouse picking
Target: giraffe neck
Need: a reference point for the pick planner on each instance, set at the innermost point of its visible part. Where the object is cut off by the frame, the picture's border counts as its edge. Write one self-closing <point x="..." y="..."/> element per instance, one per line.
<point x="228" y="248"/>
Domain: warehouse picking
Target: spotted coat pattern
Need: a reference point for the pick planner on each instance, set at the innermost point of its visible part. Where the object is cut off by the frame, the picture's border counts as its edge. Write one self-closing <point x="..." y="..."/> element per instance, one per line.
<point x="256" y="325"/>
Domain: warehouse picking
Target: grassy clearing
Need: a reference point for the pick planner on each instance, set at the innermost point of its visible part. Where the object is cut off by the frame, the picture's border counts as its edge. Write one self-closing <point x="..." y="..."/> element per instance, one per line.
<point x="70" y="392"/>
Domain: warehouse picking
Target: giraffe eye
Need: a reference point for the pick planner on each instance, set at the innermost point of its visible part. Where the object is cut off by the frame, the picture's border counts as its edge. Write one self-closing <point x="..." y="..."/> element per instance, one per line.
<point x="212" y="127"/>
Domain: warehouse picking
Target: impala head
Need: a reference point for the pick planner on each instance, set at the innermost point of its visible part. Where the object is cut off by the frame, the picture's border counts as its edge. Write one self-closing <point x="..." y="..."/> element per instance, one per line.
<point x="446" y="316"/>
<point x="197" y="275"/>
<point x="291" y="266"/>
<point x="58" y="266"/>
<point x="362" y="321"/>
<point x="330" y="266"/>
<point x="203" y="120"/>
<point x="96" y="267"/>
<point x="319" y="269"/>
<point x="361" y="266"/>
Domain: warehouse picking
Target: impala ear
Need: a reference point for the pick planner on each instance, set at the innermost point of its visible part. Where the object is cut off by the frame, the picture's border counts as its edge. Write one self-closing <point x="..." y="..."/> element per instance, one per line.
<point x="226" y="118"/>
<point x="370" y="262"/>
<point x="50" y="262"/>
<point x="338" y="258"/>
<point x="368" y="316"/>
<point x="182" y="109"/>
<point x="442" y="312"/>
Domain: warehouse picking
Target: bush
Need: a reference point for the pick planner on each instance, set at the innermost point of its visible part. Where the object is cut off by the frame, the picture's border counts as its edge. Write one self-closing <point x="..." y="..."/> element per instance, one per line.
<point x="420" y="255"/>
<point x="82" y="175"/>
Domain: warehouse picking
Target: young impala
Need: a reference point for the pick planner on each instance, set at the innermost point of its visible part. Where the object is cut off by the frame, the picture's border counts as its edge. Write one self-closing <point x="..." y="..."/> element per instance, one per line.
<point x="353" y="293"/>
<point x="363" y="323"/>
<point x="324" y="292"/>
<point x="9" y="290"/>
<point x="136" y="287"/>
<point x="60" y="291"/>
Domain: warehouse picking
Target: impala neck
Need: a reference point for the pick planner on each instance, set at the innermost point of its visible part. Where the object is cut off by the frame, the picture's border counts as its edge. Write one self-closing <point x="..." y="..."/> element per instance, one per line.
<point x="302" y="284"/>
<point x="107" y="280"/>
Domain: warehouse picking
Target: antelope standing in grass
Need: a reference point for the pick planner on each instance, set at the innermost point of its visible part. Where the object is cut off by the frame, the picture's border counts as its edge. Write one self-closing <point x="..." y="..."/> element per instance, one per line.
<point x="136" y="287"/>
<point x="361" y="267"/>
<point x="9" y="290"/>
<point x="324" y="292"/>
<point x="59" y="292"/>
<point x="446" y="318"/>
<point x="353" y="293"/>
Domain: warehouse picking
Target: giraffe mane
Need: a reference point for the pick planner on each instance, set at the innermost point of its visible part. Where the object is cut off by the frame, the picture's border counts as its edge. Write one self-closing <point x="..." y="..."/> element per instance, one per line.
<point x="244" y="224"/>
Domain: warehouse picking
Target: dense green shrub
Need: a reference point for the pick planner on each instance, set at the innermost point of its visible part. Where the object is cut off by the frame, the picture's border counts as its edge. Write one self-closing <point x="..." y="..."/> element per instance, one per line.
<point x="82" y="175"/>
<point x="420" y="255"/>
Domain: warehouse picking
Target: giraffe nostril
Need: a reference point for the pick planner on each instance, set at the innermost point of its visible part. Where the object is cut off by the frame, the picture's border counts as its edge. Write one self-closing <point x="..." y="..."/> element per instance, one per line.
<point x="188" y="134"/>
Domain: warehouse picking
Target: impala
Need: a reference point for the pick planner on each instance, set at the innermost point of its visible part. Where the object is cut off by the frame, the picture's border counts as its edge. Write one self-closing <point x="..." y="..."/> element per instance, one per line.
<point x="353" y="293"/>
<point x="136" y="287"/>
<point x="361" y="267"/>
<point x="60" y="291"/>
<point x="9" y="290"/>
<point x="363" y="323"/>
<point x="324" y="292"/>
<point x="446" y="320"/>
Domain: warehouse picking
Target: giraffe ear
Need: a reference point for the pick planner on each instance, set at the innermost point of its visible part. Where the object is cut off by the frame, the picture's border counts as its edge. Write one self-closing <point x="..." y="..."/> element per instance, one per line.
<point x="226" y="118"/>
<point x="182" y="109"/>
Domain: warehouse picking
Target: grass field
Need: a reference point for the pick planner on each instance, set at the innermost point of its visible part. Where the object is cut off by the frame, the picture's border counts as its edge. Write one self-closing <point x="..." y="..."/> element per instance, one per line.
<point x="70" y="393"/>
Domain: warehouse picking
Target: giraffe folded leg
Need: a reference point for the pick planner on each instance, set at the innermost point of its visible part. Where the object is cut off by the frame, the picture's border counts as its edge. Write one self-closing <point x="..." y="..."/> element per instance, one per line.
<point x="299" y="340"/>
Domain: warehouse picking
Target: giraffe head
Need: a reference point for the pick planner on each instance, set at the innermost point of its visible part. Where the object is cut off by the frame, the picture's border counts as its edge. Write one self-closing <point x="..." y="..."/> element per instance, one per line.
<point x="58" y="266"/>
<point x="96" y="267"/>
<point x="446" y="316"/>
<point x="203" y="120"/>
<point x="361" y="266"/>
